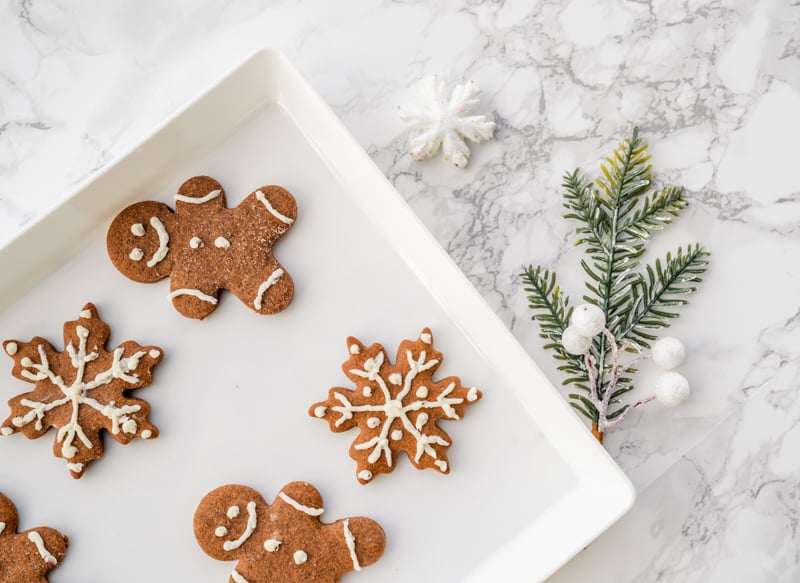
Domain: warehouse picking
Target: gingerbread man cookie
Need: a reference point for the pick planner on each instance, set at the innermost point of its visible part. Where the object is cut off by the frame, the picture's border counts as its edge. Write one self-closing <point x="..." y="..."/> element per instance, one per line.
<point x="28" y="556"/>
<point x="204" y="246"/>
<point x="285" y="542"/>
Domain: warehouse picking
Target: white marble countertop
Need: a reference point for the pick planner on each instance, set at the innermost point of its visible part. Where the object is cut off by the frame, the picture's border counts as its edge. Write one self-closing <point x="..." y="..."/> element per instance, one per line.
<point x="714" y="87"/>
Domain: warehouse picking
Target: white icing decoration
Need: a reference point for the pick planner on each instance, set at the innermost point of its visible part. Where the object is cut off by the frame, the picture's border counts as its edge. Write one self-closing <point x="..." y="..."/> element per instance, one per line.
<point x="397" y="435"/>
<point x="6" y="431"/>
<point x="281" y="217"/>
<point x="154" y="353"/>
<point x="193" y="292"/>
<point x="365" y="475"/>
<point x="396" y="378"/>
<point x="195" y="242"/>
<point x="373" y="422"/>
<point x="233" y="512"/>
<point x="137" y="229"/>
<point x="163" y="240"/>
<point x="297" y="506"/>
<point x="320" y="411"/>
<point x="147" y="434"/>
<point x="350" y="541"/>
<point x="86" y="314"/>
<point x="222" y="243"/>
<point x="393" y="408"/>
<point x="136" y="254"/>
<point x="197" y="200"/>
<point x="268" y="283"/>
<point x="441" y="464"/>
<point x="129" y="426"/>
<point x="36" y="539"/>
<point x="221" y="531"/>
<point x="422" y="419"/>
<point x="252" y="522"/>
<point x="367" y="391"/>
<point x="77" y="468"/>
<point x="425" y="337"/>
<point x="472" y="394"/>
<point x="78" y="393"/>
<point x="2" y="527"/>
<point x="422" y="392"/>
<point x="11" y="348"/>
<point x="272" y="544"/>
<point x="300" y="557"/>
<point x="237" y="577"/>
<point x="354" y="349"/>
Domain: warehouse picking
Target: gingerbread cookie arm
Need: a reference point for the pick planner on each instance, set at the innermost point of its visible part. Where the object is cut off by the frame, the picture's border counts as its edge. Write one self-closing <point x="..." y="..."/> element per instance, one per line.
<point x="200" y="193"/>
<point x="191" y="299"/>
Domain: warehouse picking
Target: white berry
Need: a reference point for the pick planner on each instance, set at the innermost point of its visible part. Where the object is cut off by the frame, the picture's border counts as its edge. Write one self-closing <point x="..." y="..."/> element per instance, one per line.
<point x="668" y="353"/>
<point x="672" y="389"/>
<point x="575" y="343"/>
<point x="588" y="320"/>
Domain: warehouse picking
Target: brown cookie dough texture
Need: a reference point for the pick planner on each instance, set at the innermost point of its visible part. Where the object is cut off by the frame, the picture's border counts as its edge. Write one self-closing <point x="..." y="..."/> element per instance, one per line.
<point x="81" y="391"/>
<point x="395" y="406"/>
<point x="204" y="246"/>
<point x="284" y="542"/>
<point x="27" y="557"/>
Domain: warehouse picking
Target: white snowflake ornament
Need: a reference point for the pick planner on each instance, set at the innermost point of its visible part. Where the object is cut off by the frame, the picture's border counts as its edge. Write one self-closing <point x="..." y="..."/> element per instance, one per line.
<point x="446" y="123"/>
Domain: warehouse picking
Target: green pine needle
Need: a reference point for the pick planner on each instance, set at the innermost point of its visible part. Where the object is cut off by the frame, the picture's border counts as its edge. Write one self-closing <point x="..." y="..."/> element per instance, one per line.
<point x="615" y="218"/>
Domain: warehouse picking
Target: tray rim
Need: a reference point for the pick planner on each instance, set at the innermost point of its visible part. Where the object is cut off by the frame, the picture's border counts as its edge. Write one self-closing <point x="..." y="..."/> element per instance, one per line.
<point x="554" y="534"/>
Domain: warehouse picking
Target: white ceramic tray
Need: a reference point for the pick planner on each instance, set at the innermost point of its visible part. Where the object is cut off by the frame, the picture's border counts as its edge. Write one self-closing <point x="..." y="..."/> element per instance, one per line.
<point x="529" y="486"/>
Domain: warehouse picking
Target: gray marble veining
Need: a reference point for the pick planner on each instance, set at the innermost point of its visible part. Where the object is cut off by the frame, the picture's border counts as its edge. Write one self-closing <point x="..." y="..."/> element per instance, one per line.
<point x="713" y="85"/>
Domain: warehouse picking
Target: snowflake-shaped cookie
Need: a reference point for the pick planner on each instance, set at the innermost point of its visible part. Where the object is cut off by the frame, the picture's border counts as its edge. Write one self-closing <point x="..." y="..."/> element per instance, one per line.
<point x="395" y="406"/>
<point x="81" y="391"/>
<point x="439" y="122"/>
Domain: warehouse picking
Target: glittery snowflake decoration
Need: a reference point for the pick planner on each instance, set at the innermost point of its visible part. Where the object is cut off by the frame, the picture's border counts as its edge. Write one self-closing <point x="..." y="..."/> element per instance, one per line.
<point x="81" y="391"/>
<point x="395" y="406"/>
<point x="446" y="123"/>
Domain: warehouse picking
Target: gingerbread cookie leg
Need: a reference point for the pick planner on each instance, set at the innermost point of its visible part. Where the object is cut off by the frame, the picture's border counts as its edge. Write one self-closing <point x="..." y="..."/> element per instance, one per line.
<point x="267" y="291"/>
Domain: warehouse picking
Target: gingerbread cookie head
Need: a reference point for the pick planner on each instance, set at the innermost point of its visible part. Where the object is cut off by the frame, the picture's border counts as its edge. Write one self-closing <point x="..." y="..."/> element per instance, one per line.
<point x="286" y="541"/>
<point x="138" y="241"/>
<point x="28" y="556"/>
<point x="204" y="246"/>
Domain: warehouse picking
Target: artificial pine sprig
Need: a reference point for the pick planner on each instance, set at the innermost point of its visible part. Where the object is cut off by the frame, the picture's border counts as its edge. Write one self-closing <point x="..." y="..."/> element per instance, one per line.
<point x="616" y="216"/>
